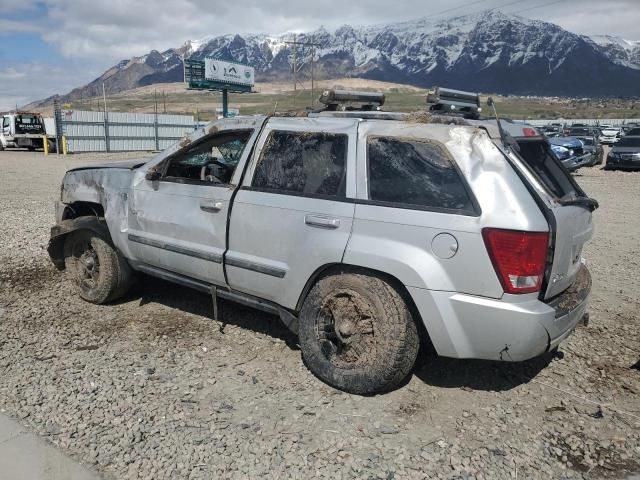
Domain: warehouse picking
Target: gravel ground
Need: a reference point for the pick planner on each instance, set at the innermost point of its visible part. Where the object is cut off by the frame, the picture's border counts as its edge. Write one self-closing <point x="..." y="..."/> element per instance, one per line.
<point x="152" y="387"/>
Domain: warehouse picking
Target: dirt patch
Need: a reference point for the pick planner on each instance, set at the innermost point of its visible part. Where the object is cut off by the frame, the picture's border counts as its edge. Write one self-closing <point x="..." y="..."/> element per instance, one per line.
<point x="30" y="277"/>
<point x="153" y="387"/>
<point x="149" y="324"/>
<point x="603" y="459"/>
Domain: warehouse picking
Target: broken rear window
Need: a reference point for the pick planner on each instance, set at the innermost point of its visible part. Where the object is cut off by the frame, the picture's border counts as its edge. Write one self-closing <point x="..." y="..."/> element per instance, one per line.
<point x="414" y="173"/>
<point x="538" y="157"/>
<point x="303" y="163"/>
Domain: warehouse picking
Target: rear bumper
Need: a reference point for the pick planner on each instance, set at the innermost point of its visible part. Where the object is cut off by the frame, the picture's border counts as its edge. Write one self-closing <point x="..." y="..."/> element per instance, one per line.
<point x="514" y="328"/>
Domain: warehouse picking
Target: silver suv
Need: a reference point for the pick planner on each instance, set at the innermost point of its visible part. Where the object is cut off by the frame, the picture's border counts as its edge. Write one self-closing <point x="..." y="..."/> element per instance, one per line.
<point x="366" y="232"/>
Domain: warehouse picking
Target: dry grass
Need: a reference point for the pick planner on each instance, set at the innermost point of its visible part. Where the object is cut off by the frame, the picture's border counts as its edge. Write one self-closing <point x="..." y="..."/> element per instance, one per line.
<point x="175" y="98"/>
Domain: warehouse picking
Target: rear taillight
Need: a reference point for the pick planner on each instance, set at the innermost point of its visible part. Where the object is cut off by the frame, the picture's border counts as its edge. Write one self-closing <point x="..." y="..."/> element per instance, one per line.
<point x="518" y="258"/>
<point x="529" y="132"/>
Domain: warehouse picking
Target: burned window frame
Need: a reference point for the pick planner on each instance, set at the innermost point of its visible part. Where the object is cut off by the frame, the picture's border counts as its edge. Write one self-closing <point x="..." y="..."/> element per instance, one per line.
<point x="474" y="209"/>
<point x="340" y="196"/>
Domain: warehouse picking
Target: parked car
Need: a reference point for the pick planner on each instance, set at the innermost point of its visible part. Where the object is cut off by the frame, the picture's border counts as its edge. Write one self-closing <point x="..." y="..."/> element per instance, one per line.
<point x="609" y="136"/>
<point x="578" y="157"/>
<point x="628" y="127"/>
<point x="625" y="155"/>
<point x="551" y="130"/>
<point x="566" y="158"/>
<point x="360" y="229"/>
<point x="592" y="147"/>
<point x="579" y="131"/>
<point x="633" y="132"/>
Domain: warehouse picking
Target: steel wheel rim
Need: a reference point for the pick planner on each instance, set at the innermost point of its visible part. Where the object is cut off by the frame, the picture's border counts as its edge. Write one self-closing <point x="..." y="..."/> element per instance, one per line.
<point x="87" y="266"/>
<point x="345" y="329"/>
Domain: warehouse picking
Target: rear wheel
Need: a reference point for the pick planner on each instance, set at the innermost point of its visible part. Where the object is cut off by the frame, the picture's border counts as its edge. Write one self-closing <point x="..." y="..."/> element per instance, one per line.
<point x="357" y="334"/>
<point x="93" y="264"/>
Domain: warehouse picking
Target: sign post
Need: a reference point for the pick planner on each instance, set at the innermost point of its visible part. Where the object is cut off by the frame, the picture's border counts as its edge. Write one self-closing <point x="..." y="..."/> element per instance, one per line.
<point x="218" y="75"/>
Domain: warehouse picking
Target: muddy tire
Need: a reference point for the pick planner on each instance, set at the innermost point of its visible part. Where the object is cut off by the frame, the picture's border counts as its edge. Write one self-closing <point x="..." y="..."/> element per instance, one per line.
<point x="357" y="334"/>
<point x="95" y="267"/>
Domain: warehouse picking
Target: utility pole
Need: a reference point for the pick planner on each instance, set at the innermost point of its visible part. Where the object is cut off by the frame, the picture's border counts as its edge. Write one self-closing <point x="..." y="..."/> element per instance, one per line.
<point x="294" y="44"/>
<point x="313" y="61"/>
<point x="107" y="147"/>
<point x="104" y="97"/>
<point x="295" y="63"/>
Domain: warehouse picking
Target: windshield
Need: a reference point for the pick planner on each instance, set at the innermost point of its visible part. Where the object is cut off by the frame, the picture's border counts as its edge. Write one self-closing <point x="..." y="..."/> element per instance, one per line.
<point x="609" y="132"/>
<point x="27" y="120"/>
<point x="629" y="142"/>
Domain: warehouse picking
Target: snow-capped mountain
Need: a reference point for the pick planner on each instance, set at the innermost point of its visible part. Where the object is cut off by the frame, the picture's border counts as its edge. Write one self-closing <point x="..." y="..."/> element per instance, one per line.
<point x="488" y="52"/>
<point x="622" y="52"/>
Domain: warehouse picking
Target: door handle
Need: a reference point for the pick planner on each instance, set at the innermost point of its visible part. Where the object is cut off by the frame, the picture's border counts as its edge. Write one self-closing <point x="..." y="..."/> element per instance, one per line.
<point x="322" y="222"/>
<point x="210" y="206"/>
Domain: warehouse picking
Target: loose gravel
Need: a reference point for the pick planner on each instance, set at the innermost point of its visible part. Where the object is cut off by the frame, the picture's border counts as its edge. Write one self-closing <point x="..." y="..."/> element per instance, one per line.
<point x="152" y="387"/>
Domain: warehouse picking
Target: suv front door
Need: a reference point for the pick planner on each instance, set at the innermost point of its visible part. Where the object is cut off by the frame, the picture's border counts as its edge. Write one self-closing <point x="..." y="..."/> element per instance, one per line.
<point x="178" y="222"/>
<point x="294" y="211"/>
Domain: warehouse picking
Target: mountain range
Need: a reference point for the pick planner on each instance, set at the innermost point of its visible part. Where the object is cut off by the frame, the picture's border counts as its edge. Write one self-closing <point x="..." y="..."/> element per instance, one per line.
<point x="487" y="52"/>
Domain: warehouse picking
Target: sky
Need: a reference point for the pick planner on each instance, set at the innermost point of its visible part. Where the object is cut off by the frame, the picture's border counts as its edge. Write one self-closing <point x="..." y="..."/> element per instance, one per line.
<point x="52" y="46"/>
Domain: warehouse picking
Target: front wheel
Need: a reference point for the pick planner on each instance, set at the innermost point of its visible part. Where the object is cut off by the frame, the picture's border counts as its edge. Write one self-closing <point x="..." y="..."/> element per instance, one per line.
<point x="357" y="334"/>
<point x="100" y="272"/>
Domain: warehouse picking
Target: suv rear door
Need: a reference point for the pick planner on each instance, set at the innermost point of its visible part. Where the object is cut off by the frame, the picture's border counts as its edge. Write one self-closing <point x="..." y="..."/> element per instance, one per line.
<point x="568" y="210"/>
<point x="294" y="211"/>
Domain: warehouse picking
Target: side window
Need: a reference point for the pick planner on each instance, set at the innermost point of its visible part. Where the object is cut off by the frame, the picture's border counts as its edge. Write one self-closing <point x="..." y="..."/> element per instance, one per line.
<point x="416" y="173"/>
<point x="211" y="161"/>
<point x="303" y="163"/>
<point x="5" y="122"/>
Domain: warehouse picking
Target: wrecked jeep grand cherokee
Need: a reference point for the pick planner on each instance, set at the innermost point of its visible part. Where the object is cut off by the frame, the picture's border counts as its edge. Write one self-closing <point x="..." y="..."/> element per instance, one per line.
<point x="369" y="233"/>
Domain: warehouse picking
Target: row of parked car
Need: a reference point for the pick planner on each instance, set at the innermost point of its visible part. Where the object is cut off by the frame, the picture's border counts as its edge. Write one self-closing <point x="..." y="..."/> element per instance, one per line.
<point x="581" y="146"/>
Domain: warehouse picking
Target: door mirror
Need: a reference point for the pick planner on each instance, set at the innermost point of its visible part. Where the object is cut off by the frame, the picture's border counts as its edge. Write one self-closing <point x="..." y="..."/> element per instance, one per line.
<point x="152" y="174"/>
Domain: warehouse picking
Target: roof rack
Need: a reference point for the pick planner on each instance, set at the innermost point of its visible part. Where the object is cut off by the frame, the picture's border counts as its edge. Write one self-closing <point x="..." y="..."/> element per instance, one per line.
<point x="454" y="102"/>
<point x="351" y="100"/>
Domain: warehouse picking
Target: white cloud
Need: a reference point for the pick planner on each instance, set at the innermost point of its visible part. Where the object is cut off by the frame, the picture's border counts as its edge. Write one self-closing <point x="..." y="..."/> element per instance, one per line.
<point x="22" y="83"/>
<point x="594" y="17"/>
<point x="93" y="35"/>
<point x="117" y="29"/>
<point x="15" y="26"/>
